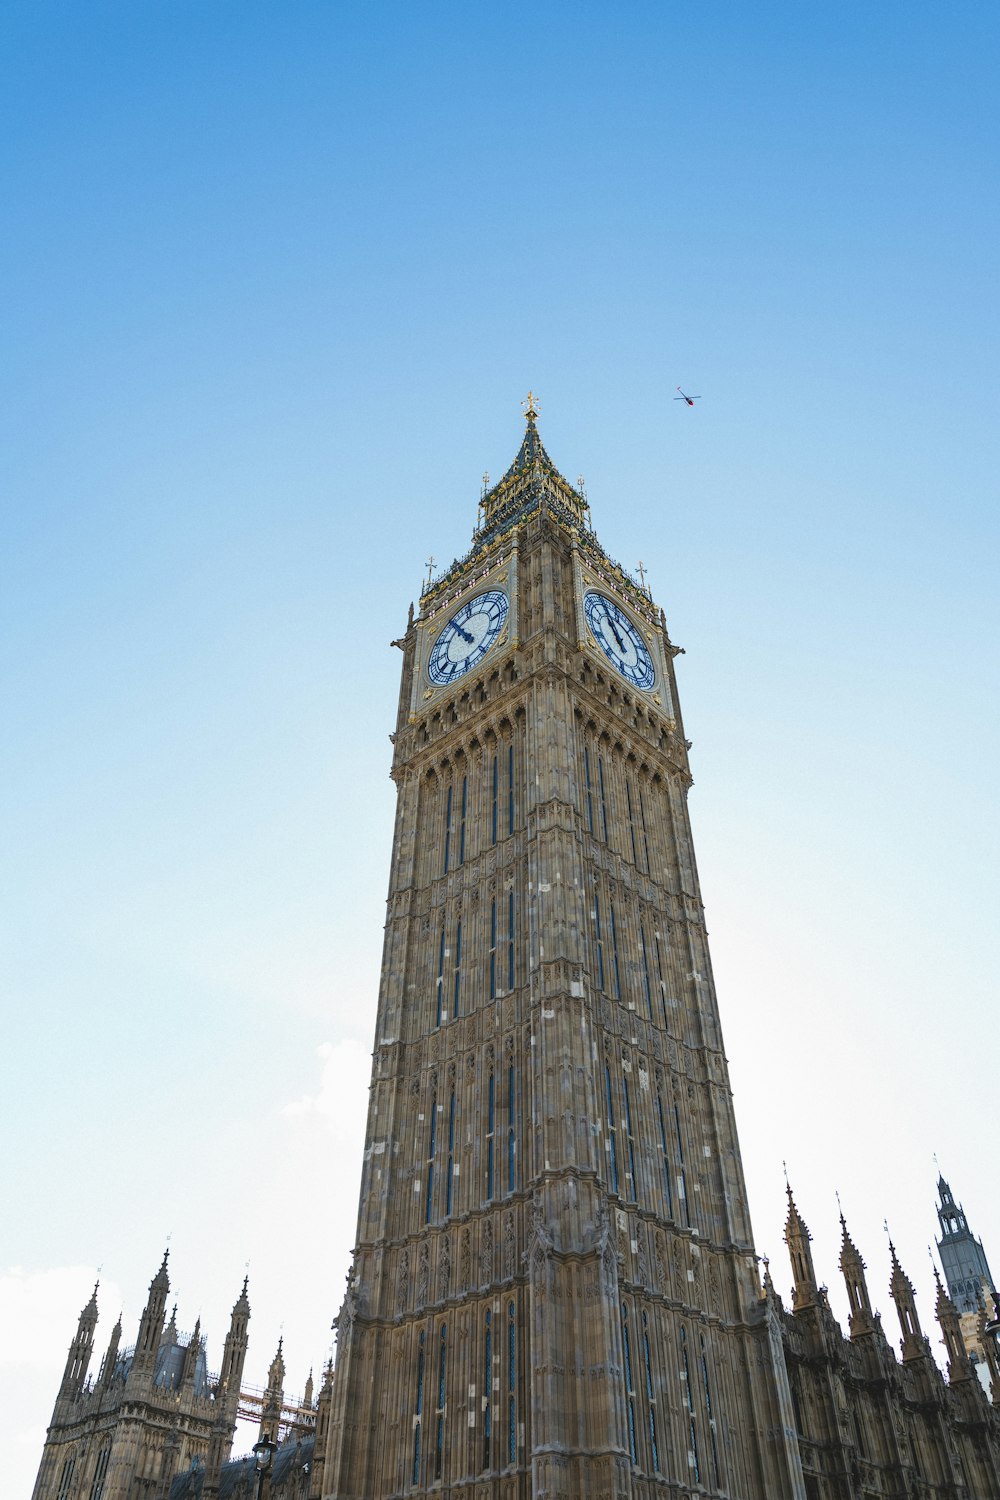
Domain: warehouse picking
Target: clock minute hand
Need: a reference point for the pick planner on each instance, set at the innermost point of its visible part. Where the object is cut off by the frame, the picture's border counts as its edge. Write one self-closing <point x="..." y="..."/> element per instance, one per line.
<point x="614" y="631"/>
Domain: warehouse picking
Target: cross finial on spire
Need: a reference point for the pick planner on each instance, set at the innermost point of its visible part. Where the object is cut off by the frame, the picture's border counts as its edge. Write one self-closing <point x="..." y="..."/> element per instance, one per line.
<point x="430" y="572"/>
<point x="530" y="407"/>
<point x="642" y="574"/>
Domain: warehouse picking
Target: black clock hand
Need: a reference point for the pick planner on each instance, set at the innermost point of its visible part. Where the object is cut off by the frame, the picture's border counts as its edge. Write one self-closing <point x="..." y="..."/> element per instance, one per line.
<point x="614" y="631"/>
<point x="464" y="634"/>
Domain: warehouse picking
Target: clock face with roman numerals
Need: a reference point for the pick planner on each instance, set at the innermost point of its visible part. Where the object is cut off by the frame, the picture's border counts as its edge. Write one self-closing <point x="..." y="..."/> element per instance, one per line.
<point x="619" y="639"/>
<point x="467" y="637"/>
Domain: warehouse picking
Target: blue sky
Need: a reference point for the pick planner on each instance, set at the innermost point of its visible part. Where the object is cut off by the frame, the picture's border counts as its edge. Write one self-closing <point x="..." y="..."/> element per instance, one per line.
<point x="274" y="282"/>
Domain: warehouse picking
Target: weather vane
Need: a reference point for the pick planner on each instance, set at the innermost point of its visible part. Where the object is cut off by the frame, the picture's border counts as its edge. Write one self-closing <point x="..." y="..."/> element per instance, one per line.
<point x="530" y="407"/>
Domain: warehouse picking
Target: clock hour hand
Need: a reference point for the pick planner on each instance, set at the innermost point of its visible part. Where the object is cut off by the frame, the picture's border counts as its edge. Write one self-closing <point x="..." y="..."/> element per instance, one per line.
<point x="614" y="631"/>
<point x="464" y="634"/>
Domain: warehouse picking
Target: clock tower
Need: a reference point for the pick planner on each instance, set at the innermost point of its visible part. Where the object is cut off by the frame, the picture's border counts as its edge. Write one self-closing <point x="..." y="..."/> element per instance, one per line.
<point x="554" y="1289"/>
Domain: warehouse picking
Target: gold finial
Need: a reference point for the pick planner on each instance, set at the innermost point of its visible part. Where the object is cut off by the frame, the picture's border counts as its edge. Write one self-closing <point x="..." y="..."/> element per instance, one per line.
<point x="530" y="407"/>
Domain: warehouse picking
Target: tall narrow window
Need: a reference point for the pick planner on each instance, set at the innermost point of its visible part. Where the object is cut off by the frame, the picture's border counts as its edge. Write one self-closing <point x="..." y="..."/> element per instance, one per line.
<point x="711" y="1415"/>
<point x="511" y="1126"/>
<point x="613" y="1150"/>
<point x="654" y="1447"/>
<point x="449" y="1187"/>
<point x="680" y="1162"/>
<point x="604" y="800"/>
<point x="493" y="949"/>
<point x="458" y="966"/>
<point x="461" y="825"/>
<point x="511" y="1386"/>
<point x="442" y="1384"/>
<point x="589" y="789"/>
<point x="629" y="1137"/>
<point x="487" y="1387"/>
<point x="689" y="1402"/>
<point x="510" y="939"/>
<point x="100" y="1473"/>
<point x="666" y="1157"/>
<point x="599" y="941"/>
<point x="66" y="1478"/>
<point x="645" y="970"/>
<point x="629" y="1392"/>
<point x="440" y="978"/>
<point x="493" y="805"/>
<point x="510" y="789"/>
<point x="490" y="1123"/>
<point x="659" y="976"/>
<point x="614" y="953"/>
<point x="418" y="1411"/>
<point x="431" y="1145"/>
<point x="447" y="830"/>
<point x="631" y="822"/>
<point x="645" y="834"/>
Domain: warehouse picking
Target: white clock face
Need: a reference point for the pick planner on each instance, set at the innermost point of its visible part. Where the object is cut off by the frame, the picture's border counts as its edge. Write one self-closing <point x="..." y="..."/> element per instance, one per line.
<point x="467" y="637"/>
<point x="619" y="639"/>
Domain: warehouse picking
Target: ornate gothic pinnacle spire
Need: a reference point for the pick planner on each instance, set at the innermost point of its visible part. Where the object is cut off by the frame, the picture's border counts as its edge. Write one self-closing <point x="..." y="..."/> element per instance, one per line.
<point x="797" y="1237"/>
<point x="901" y="1288"/>
<point x="531" y="479"/>
<point x="161" y="1281"/>
<point x="861" y="1319"/>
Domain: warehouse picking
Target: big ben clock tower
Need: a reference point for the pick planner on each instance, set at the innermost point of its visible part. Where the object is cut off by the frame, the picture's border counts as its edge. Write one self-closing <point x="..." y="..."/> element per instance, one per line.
<point x="554" y="1290"/>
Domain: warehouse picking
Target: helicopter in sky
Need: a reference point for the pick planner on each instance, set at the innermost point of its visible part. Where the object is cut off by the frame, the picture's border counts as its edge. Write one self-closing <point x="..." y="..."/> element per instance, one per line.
<point x="689" y="399"/>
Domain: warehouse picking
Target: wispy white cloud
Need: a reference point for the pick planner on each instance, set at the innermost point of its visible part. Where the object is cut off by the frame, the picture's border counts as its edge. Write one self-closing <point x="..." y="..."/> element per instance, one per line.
<point x="340" y="1102"/>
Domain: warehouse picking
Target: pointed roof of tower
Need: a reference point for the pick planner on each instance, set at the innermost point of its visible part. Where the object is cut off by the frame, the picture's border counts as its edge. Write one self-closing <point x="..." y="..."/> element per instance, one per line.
<point x="242" y="1303"/>
<point x="161" y="1281"/>
<point x="90" y="1310"/>
<point x="531" y="480"/>
<point x="795" y="1224"/>
<point x="899" y="1283"/>
<point x="850" y="1255"/>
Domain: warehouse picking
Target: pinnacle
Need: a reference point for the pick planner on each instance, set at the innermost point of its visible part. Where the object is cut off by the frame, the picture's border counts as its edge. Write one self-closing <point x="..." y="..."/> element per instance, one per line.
<point x="795" y="1224"/>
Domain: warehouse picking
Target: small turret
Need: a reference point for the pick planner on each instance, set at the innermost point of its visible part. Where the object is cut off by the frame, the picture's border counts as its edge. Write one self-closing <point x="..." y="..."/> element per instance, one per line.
<point x="234" y="1352"/>
<point x="307" y="1396"/>
<point x="80" y="1350"/>
<point x="901" y="1287"/>
<point x="323" y="1406"/>
<point x="804" y="1288"/>
<point x="959" y="1365"/>
<point x="274" y="1396"/>
<point x="151" y="1323"/>
<point x="191" y="1353"/>
<point x="227" y="1393"/>
<point x="110" y="1359"/>
<point x="861" y="1319"/>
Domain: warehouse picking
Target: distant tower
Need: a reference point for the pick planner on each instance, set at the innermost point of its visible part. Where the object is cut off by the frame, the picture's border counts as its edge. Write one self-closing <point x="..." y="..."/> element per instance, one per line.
<point x="963" y="1259"/>
<point x="967" y="1274"/>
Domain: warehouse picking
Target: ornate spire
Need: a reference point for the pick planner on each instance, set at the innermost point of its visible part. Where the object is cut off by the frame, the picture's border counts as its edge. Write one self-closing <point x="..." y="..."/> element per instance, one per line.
<point x="161" y="1281"/>
<point x="959" y="1366"/>
<point x="861" y="1320"/>
<point x="901" y="1287"/>
<point x="531" y="480"/>
<point x="797" y="1237"/>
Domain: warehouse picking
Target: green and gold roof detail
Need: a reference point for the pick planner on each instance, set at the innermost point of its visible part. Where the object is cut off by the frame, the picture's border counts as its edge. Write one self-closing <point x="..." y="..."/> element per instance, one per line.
<point x="531" y="482"/>
<point x="531" y="478"/>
